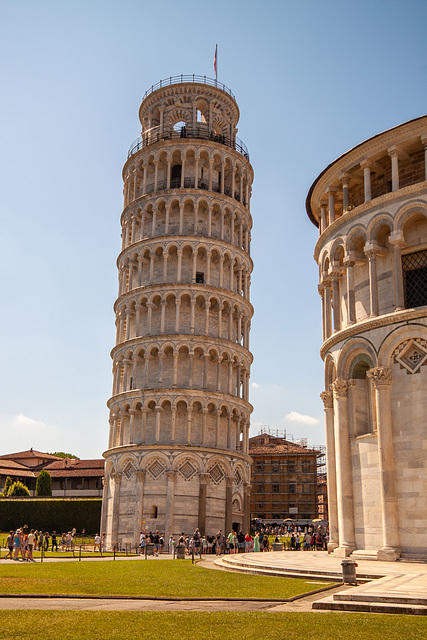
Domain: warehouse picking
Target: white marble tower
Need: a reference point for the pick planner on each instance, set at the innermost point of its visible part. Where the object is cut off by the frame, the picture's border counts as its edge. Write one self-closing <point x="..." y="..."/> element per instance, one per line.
<point x="177" y="455"/>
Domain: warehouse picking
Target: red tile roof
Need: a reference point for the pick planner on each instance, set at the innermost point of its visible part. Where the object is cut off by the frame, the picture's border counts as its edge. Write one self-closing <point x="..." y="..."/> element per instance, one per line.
<point x="72" y="463"/>
<point x="11" y="468"/>
<point x="30" y="453"/>
<point x="57" y="467"/>
<point x="272" y="445"/>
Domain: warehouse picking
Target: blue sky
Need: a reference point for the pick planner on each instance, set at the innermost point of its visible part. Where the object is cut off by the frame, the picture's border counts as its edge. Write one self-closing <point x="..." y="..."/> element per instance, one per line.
<point x="312" y="79"/>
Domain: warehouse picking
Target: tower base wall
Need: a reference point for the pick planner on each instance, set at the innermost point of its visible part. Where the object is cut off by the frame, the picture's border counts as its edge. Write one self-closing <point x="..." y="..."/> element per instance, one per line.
<point x="173" y="491"/>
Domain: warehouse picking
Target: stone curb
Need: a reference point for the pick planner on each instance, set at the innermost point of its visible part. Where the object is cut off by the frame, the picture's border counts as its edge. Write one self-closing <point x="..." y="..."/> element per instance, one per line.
<point x="165" y="598"/>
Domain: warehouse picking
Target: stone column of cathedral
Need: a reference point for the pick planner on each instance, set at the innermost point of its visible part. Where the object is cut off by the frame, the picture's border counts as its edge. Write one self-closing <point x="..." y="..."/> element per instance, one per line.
<point x="180" y="412"/>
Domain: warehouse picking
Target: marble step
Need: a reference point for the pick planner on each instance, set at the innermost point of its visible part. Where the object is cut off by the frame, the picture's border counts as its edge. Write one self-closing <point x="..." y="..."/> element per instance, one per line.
<point x="332" y="604"/>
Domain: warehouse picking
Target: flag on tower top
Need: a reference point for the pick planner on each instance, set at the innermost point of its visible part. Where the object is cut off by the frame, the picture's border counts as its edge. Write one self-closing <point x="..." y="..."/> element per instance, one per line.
<point x="215" y="62"/>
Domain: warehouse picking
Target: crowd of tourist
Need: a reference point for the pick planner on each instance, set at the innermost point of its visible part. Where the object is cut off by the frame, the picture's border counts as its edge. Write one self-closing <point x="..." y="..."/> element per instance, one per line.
<point x="24" y="541"/>
<point x="236" y="542"/>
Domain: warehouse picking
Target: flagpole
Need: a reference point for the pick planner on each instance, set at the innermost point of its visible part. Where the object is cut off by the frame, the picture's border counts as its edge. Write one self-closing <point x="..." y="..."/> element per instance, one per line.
<point x="216" y="63"/>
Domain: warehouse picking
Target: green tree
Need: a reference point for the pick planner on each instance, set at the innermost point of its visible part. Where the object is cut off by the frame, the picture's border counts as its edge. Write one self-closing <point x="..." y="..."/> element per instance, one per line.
<point x="18" y="489"/>
<point x="61" y="454"/>
<point x="7" y="486"/>
<point x="43" y="484"/>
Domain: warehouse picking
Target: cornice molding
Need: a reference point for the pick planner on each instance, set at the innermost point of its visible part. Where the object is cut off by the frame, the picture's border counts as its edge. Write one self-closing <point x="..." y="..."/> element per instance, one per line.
<point x="395" y="318"/>
<point x="161" y="448"/>
<point x="203" y="395"/>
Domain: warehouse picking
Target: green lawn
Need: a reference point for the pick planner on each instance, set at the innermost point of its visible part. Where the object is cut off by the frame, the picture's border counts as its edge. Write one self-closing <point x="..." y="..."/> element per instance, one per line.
<point x="99" y="625"/>
<point x="152" y="577"/>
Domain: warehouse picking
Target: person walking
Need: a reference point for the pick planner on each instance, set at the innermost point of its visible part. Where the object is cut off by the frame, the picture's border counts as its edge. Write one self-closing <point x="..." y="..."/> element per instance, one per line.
<point x="9" y="544"/>
<point x="16" y="544"/>
<point x="156" y="544"/>
<point x="54" y="541"/>
<point x="196" y="539"/>
<point x="256" y="542"/>
<point x="218" y="543"/>
<point x="30" y="541"/>
<point x="97" y="543"/>
<point x="40" y="540"/>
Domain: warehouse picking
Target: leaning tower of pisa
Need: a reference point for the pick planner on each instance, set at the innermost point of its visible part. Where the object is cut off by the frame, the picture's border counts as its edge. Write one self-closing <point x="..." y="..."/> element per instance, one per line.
<point x="177" y="454"/>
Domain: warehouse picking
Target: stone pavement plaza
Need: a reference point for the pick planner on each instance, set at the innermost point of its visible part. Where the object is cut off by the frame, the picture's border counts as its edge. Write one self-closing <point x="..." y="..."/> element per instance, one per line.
<point x="398" y="587"/>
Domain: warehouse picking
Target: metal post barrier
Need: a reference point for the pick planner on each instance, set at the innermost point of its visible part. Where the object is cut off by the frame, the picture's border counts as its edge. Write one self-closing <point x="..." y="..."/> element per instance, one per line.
<point x="192" y="555"/>
<point x="80" y="553"/>
<point x="114" y="552"/>
<point x="42" y="554"/>
<point x="145" y="550"/>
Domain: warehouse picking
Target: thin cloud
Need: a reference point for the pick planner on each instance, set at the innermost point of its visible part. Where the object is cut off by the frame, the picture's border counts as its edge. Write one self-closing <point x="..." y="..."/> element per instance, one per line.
<point x="28" y="422"/>
<point x="255" y="385"/>
<point x="294" y="416"/>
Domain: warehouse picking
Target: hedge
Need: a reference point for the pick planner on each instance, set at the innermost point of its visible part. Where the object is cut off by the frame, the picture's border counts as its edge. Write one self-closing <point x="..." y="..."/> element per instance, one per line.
<point x="53" y="514"/>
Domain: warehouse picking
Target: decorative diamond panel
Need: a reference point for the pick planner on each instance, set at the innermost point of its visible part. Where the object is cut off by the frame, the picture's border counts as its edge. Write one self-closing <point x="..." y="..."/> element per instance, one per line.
<point x="129" y="470"/>
<point x="216" y="473"/>
<point x="412" y="356"/>
<point x="156" y="469"/>
<point x="187" y="470"/>
<point x="238" y="478"/>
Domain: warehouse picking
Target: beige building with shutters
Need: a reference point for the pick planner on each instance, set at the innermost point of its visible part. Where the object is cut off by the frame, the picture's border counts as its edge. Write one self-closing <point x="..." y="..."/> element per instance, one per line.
<point x="177" y="455"/>
<point x="371" y="209"/>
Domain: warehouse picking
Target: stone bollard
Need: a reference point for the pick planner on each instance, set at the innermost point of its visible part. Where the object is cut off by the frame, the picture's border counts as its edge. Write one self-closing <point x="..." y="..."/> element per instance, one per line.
<point x="349" y="571"/>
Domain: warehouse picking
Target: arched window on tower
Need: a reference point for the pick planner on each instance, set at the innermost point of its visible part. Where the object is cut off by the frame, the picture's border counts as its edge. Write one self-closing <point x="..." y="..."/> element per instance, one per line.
<point x="361" y="398"/>
<point x="176" y="176"/>
<point x="180" y="128"/>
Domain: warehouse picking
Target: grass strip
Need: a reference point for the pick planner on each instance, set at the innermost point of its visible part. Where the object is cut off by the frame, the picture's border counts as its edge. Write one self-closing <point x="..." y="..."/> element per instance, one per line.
<point x="150" y="625"/>
<point x="151" y="578"/>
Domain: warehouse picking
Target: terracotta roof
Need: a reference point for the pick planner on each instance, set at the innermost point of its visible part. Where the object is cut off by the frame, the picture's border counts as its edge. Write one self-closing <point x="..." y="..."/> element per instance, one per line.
<point x="14" y="469"/>
<point x="72" y="463"/>
<point x="276" y="446"/>
<point x="30" y="453"/>
<point x="76" y="473"/>
<point x="289" y="447"/>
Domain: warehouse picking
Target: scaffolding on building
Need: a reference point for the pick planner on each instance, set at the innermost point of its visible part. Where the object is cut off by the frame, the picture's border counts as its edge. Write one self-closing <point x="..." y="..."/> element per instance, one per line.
<point x="288" y="477"/>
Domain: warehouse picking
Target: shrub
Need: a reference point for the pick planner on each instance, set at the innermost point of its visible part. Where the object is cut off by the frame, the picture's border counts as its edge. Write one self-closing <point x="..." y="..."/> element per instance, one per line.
<point x="18" y="489"/>
<point x="43" y="484"/>
<point x="7" y="486"/>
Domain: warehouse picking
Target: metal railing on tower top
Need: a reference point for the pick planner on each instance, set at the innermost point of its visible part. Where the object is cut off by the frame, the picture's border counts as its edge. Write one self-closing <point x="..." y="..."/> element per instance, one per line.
<point x="191" y="78"/>
<point x="159" y="134"/>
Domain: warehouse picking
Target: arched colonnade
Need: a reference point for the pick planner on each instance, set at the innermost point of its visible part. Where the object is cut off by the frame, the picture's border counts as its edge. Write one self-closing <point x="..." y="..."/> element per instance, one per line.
<point x="187" y="215"/>
<point x="178" y="421"/>
<point x="187" y="166"/>
<point x="357" y="269"/>
<point x="183" y="312"/>
<point x="184" y="262"/>
<point x="183" y="366"/>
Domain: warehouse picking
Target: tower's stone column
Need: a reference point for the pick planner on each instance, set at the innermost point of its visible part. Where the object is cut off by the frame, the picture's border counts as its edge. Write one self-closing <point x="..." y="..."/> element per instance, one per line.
<point x="381" y="378"/>
<point x="344" y="471"/>
<point x="331" y="470"/>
